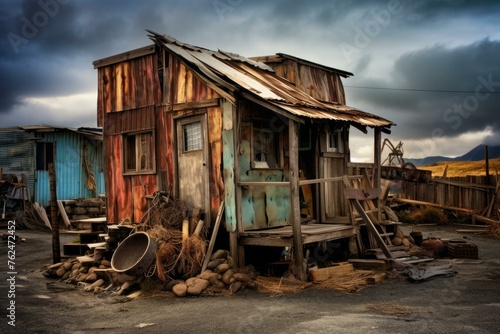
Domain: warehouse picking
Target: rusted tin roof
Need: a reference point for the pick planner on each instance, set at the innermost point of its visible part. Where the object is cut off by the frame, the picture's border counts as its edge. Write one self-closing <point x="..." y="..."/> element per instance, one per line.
<point x="93" y="133"/>
<point x="235" y="73"/>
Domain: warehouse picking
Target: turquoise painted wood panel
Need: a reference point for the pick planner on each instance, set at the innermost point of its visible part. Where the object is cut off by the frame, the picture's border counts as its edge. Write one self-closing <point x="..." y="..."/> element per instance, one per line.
<point x="262" y="207"/>
<point x="228" y="163"/>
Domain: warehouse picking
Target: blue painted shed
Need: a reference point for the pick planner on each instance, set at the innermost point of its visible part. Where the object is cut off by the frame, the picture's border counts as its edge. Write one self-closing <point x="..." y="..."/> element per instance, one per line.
<point x="77" y="156"/>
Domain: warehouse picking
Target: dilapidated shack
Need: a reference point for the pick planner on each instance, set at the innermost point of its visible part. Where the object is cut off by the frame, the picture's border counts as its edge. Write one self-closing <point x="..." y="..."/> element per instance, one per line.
<point x="266" y="136"/>
<point x="76" y="154"/>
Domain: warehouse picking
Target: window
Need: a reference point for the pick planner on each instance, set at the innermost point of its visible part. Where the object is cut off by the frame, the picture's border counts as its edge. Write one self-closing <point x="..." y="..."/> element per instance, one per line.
<point x="139" y="154"/>
<point x="191" y="137"/>
<point x="305" y="138"/>
<point x="334" y="141"/>
<point x="44" y="155"/>
<point x="265" y="146"/>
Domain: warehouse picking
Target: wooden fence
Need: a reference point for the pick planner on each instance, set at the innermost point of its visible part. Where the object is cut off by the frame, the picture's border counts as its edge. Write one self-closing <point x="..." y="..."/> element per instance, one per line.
<point x="478" y="194"/>
<point x="471" y="192"/>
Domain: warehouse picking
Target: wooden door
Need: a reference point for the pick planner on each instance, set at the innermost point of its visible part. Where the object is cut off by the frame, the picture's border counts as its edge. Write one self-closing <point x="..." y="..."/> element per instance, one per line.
<point x="192" y="162"/>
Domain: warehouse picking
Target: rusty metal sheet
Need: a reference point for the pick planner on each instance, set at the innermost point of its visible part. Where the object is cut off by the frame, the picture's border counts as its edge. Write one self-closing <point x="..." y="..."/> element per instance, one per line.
<point x="234" y="73"/>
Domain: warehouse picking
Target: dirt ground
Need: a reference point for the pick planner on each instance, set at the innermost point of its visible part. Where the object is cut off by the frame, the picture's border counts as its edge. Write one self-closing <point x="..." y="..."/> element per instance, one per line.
<point x="469" y="302"/>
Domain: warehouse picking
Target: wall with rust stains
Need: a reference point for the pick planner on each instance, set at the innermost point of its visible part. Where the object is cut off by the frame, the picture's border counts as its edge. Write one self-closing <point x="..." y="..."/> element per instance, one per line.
<point x="128" y="93"/>
<point x="130" y="98"/>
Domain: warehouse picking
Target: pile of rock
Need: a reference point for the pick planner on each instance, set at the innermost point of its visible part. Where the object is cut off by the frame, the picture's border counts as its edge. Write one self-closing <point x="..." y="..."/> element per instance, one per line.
<point x="221" y="277"/>
<point x="83" y="208"/>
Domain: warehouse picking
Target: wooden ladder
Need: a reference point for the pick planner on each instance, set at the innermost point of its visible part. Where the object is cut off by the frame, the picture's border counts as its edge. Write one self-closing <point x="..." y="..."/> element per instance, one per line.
<point x="362" y="201"/>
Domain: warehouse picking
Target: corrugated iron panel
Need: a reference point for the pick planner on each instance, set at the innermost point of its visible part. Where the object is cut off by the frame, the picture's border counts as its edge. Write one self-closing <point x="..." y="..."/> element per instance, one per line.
<point x="17" y="154"/>
<point x="70" y="175"/>
<point x="233" y="72"/>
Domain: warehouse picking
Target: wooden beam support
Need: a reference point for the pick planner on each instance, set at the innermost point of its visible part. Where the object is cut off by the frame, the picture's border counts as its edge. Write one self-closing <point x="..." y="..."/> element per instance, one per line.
<point x="377" y="162"/>
<point x="293" y="143"/>
<point x="56" y="244"/>
<point x="444" y="207"/>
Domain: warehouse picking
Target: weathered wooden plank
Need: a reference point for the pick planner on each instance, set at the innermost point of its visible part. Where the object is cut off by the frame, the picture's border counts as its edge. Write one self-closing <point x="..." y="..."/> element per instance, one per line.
<point x="215" y="231"/>
<point x="445" y="207"/>
<point x="228" y="163"/>
<point x="118" y="93"/>
<point x="371" y="227"/>
<point x="362" y="194"/>
<point x="369" y="264"/>
<point x="63" y="213"/>
<point x="293" y="147"/>
<point x="340" y="270"/>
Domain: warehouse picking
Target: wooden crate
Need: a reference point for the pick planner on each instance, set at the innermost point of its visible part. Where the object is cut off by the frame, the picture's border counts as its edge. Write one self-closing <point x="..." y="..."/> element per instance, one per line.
<point x="463" y="250"/>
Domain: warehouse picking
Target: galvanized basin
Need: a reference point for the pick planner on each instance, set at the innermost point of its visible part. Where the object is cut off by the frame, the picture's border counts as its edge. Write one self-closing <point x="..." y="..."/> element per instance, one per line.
<point x="134" y="255"/>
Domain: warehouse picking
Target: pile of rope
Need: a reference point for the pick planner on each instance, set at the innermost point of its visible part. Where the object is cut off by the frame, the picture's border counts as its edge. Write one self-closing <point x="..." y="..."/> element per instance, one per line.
<point x="90" y="181"/>
<point x="178" y="254"/>
<point x="165" y="211"/>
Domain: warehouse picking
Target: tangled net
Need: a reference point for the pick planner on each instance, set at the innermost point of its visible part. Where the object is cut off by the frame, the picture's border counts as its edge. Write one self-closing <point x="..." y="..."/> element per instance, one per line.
<point x="174" y="256"/>
<point x="164" y="211"/>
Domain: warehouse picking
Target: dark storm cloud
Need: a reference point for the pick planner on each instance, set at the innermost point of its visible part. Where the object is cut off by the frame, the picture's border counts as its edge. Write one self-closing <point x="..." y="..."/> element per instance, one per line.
<point x="461" y="90"/>
<point x="55" y="58"/>
<point x="47" y="46"/>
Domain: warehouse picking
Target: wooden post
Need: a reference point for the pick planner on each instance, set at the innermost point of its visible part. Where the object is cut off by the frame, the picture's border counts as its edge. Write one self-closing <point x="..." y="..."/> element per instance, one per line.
<point x="56" y="248"/>
<point x="377" y="167"/>
<point x="487" y="179"/>
<point x="293" y="155"/>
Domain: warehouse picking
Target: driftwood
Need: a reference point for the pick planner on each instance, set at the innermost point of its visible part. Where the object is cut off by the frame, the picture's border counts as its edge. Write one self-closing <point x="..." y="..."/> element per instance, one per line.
<point x="42" y="214"/>
<point x="214" y="235"/>
<point x="63" y="213"/>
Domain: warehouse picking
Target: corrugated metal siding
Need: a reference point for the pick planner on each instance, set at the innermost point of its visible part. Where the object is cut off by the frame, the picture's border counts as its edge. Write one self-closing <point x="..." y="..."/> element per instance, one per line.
<point x="70" y="176"/>
<point x="17" y="154"/>
<point x="233" y="73"/>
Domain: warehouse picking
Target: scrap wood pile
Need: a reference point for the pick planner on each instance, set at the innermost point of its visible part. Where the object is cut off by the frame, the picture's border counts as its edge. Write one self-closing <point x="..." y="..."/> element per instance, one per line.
<point x="344" y="278"/>
<point x="177" y="264"/>
<point x="90" y="275"/>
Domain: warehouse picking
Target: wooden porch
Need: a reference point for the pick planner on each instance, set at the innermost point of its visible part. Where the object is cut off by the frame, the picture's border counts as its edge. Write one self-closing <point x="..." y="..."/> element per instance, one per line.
<point x="283" y="236"/>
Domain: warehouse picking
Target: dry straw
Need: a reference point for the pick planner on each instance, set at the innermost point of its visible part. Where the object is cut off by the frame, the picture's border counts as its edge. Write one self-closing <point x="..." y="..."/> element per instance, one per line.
<point x="348" y="282"/>
<point x="392" y="309"/>
<point x="280" y="285"/>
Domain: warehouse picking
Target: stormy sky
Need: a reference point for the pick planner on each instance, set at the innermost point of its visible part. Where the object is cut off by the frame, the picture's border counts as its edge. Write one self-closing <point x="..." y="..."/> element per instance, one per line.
<point x="432" y="67"/>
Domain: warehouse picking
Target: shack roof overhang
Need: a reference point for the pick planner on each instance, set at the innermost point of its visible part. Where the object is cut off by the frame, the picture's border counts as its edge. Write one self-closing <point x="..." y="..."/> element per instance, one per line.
<point x="91" y="133"/>
<point x="234" y="76"/>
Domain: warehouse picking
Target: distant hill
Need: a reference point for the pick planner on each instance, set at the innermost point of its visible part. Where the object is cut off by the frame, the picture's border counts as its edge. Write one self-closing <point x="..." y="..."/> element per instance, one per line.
<point x="476" y="154"/>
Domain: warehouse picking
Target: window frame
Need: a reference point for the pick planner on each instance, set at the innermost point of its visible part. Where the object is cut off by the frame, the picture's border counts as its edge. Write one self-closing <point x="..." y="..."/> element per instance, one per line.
<point x="125" y="146"/>
<point x="333" y="142"/>
<point x="184" y="138"/>
<point x="279" y="154"/>
<point x="44" y="160"/>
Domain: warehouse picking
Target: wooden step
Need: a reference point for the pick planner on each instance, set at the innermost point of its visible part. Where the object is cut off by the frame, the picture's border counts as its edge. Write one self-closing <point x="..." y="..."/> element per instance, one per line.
<point x="74" y="249"/>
